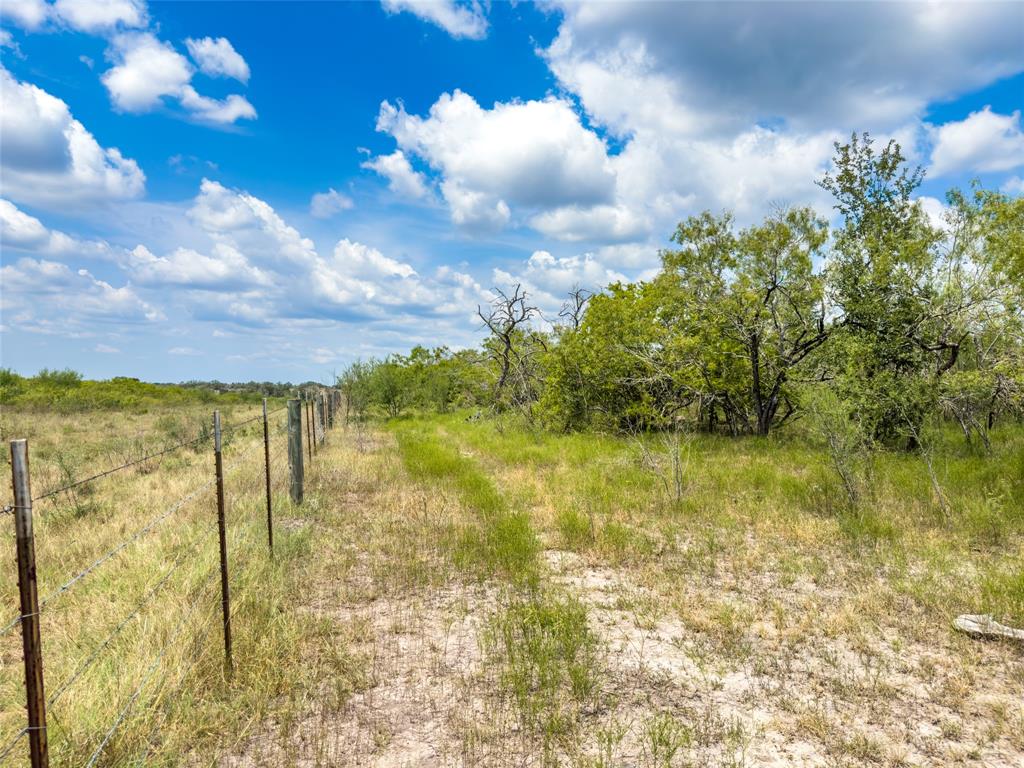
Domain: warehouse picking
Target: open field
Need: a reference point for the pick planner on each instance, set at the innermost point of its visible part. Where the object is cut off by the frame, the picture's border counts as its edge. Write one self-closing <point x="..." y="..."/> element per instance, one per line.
<point x="544" y="600"/>
<point x="160" y="591"/>
<point x="470" y="593"/>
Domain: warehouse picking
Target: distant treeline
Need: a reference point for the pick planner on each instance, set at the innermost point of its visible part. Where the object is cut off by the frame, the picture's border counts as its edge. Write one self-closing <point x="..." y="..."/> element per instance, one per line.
<point x="870" y="331"/>
<point x="67" y="390"/>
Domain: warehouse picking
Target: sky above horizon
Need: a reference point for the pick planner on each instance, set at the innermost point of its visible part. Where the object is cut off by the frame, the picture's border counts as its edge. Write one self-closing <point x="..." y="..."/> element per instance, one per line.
<point x="269" y="190"/>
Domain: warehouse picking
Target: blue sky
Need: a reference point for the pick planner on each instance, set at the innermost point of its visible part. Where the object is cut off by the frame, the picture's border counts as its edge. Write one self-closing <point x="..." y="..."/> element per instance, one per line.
<point x="265" y="190"/>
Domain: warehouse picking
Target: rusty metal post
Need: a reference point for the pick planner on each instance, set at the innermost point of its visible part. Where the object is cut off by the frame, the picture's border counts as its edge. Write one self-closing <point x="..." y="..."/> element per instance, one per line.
<point x="295" y="449"/>
<point x="266" y="466"/>
<point x="225" y="596"/>
<point x="32" y="649"/>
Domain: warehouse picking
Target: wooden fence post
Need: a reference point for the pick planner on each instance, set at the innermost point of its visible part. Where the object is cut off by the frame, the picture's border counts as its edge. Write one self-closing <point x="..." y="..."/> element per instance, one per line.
<point x="266" y="466"/>
<point x="225" y="596"/>
<point x="321" y="417"/>
<point x="330" y="408"/>
<point x="31" y="644"/>
<point x="308" y="411"/>
<point x="295" y="449"/>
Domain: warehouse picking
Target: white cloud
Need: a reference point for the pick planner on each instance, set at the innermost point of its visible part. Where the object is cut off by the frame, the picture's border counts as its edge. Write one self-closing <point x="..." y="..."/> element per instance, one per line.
<point x="702" y="69"/>
<point x="95" y="16"/>
<point x="29" y="14"/>
<point x="324" y="205"/>
<point x="148" y="70"/>
<point x="226" y="269"/>
<point x="983" y="141"/>
<point x="218" y="58"/>
<point x="1013" y="186"/>
<point x="184" y="351"/>
<point x="250" y="226"/>
<point x="223" y="111"/>
<point x="48" y="157"/>
<point x="607" y="223"/>
<point x="23" y="232"/>
<point x="106" y="349"/>
<point x="548" y="279"/>
<point x="402" y="178"/>
<point x="530" y="154"/>
<point x="460" y="20"/>
<point x="47" y="296"/>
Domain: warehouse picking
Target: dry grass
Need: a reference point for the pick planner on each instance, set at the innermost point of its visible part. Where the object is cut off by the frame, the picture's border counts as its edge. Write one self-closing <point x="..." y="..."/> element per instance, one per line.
<point x="165" y="583"/>
<point x="456" y="594"/>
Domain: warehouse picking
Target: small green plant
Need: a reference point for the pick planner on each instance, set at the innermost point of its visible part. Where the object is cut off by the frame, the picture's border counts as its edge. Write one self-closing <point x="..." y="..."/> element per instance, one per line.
<point x="548" y="659"/>
<point x="663" y="736"/>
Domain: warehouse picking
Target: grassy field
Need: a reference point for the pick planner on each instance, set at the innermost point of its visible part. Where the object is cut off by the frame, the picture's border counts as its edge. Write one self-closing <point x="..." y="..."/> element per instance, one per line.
<point x="458" y="592"/>
<point x="151" y="612"/>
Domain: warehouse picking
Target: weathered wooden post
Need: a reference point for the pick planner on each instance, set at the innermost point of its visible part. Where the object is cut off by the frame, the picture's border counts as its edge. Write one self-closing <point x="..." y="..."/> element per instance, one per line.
<point x="225" y="596"/>
<point x="330" y="408"/>
<point x="308" y="411"/>
<point x="266" y="466"/>
<point x="295" y="449"/>
<point x="32" y="649"/>
<point x="321" y="413"/>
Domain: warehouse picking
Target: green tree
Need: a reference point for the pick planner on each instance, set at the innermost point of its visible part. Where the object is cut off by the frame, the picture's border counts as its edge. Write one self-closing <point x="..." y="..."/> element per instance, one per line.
<point x="748" y="310"/>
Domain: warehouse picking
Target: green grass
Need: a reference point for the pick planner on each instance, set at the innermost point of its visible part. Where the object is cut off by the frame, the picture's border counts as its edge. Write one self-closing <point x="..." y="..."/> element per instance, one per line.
<point x="596" y="495"/>
<point x="493" y="540"/>
<point x="548" y="661"/>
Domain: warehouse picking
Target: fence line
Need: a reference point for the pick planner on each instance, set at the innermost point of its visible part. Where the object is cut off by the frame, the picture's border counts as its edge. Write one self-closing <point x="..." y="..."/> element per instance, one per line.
<point x="33" y="607"/>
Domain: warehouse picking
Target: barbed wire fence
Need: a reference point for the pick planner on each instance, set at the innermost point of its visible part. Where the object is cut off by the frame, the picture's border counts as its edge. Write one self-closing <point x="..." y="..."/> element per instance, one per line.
<point x="313" y="416"/>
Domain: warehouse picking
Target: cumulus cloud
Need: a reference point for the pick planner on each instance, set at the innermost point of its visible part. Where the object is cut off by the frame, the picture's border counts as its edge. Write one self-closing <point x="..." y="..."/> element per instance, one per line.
<point x="530" y="154"/>
<point x="250" y="226"/>
<point x="703" y="68"/>
<point x="226" y="269"/>
<point x="218" y="58"/>
<point x="48" y="157"/>
<point x="29" y="14"/>
<point x="23" y="232"/>
<point x="983" y="141"/>
<point x="460" y="20"/>
<point x="324" y="205"/>
<point x="607" y="223"/>
<point x="1013" y="186"/>
<point x="549" y="279"/>
<point x="147" y="70"/>
<point x="97" y="16"/>
<point x="402" y="178"/>
<point x="38" y="290"/>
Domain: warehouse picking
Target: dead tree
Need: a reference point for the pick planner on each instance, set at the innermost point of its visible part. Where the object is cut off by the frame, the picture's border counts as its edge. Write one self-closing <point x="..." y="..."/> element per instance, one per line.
<point x="507" y="315"/>
<point x="574" y="307"/>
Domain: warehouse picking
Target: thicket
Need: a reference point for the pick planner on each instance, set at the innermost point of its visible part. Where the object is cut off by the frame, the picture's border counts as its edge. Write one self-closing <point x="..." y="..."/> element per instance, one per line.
<point x="870" y="333"/>
<point x="66" y="390"/>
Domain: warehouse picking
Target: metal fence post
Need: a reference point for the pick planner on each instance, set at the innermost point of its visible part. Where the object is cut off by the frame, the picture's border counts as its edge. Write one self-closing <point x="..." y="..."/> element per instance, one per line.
<point x="225" y="597"/>
<point x="295" y="449"/>
<point x="31" y="645"/>
<point x="266" y="465"/>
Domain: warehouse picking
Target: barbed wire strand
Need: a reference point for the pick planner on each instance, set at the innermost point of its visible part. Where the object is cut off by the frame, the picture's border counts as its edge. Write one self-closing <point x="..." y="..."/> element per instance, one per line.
<point x="84" y="666"/>
<point x="156" y="454"/>
<point x="124" y="544"/>
<point x="13" y="743"/>
<point x="123" y="714"/>
<point x="193" y="661"/>
<point x="98" y="475"/>
<point x="116" y="550"/>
